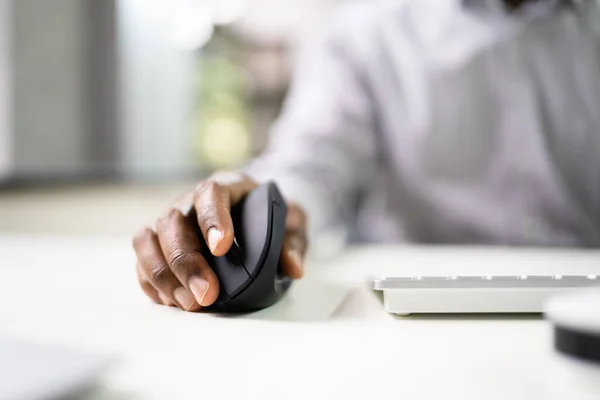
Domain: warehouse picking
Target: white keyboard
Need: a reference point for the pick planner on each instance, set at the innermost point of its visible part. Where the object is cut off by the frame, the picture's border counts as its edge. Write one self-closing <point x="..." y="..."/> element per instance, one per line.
<point x="405" y="295"/>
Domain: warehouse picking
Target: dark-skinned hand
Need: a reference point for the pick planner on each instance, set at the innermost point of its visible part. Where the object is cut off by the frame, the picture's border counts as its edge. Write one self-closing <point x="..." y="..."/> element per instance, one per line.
<point x="171" y="268"/>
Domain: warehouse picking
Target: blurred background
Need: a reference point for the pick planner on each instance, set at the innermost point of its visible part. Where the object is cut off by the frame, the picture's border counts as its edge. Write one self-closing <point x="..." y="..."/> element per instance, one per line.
<point x="110" y="109"/>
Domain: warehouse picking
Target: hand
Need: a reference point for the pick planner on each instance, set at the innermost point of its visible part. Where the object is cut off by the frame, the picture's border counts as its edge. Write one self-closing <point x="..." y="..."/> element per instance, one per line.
<point x="170" y="266"/>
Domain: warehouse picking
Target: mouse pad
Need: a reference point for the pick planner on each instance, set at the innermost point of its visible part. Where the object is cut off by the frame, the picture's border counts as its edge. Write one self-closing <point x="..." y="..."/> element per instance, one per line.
<point x="307" y="300"/>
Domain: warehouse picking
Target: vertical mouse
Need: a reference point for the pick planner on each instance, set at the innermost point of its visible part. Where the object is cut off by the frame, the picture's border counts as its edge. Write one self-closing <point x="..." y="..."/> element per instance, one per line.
<point x="249" y="274"/>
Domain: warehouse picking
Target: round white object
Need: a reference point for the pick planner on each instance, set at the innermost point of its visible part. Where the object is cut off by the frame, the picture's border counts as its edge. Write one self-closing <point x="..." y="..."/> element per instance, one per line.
<point x="579" y="311"/>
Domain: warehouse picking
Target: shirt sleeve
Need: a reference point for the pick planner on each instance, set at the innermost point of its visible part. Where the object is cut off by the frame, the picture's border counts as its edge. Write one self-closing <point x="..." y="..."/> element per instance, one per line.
<point x="322" y="148"/>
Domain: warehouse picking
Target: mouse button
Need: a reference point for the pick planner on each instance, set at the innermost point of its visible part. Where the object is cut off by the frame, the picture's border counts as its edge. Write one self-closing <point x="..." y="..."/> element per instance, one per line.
<point x="255" y="234"/>
<point x="232" y="275"/>
<point x="269" y="258"/>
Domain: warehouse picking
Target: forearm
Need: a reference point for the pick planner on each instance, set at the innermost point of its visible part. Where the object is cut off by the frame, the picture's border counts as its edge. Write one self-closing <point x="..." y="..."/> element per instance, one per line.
<point x="322" y="149"/>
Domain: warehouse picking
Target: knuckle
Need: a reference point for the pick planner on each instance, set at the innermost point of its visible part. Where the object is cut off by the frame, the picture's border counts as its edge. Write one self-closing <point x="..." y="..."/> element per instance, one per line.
<point x="146" y="287"/>
<point x="229" y="178"/>
<point x="140" y="238"/>
<point x="207" y="186"/>
<point x="142" y="280"/>
<point x="159" y="274"/>
<point x="297" y="238"/>
<point x="207" y="214"/>
<point x="179" y="261"/>
<point x="172" y="215"/>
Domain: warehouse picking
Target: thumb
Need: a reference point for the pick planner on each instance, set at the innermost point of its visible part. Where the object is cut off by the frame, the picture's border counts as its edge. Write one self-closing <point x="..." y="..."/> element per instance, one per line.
<point x="295" y="242"/>
<point x="292" y="256"/>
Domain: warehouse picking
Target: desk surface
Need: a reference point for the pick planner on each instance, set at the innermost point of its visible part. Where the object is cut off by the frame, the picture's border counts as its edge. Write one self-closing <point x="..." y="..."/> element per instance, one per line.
<point x="329" y="339"/>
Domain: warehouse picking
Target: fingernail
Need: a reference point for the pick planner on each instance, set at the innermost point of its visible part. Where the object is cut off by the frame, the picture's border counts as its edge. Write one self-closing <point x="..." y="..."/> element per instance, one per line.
<point x="184" y="298"/>
<point x="199" y="288"/>
<point x="165" y="300"/>
<point x="296" y="258"/>
<point x="214" y="237"/>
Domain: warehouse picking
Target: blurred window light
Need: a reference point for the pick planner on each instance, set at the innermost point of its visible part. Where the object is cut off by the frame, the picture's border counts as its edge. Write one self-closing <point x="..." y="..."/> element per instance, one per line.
<point x="225" y="142"/>
<point x="195" y="20"/>
<point x="227" y="11"/>
<point x="193" y="25"/>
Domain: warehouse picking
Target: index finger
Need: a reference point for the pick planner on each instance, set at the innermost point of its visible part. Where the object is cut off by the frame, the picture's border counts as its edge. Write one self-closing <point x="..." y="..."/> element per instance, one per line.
<point x="213" y="199"/>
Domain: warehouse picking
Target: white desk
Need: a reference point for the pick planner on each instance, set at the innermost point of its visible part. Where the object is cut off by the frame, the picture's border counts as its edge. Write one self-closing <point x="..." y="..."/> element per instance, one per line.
<point x="83" y="292"/>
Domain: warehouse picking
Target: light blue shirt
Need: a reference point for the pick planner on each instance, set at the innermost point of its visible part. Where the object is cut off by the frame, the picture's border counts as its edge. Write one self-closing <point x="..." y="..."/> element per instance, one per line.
<point x="447" y="121"/>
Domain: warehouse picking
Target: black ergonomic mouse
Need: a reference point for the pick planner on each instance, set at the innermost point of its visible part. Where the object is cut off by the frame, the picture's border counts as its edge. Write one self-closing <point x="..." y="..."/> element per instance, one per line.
<point x="249" y="274"/>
